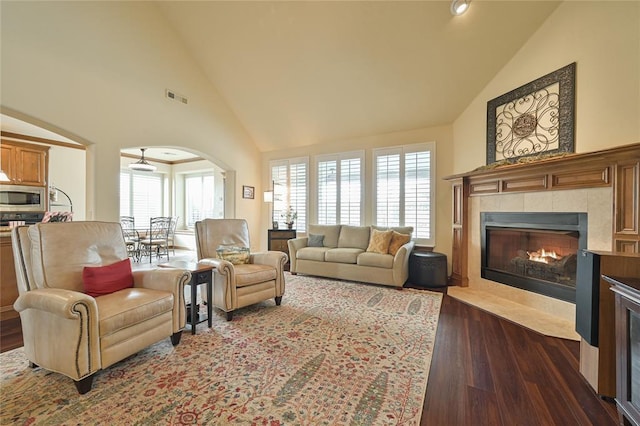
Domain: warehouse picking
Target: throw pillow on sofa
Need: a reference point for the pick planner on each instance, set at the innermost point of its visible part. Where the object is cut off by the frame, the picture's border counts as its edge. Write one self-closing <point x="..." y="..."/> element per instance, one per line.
<point x="107" y="279"/>
<point x="315" y="240"/>
<point x="379" y="241"/>
<point x="397" y="241"/>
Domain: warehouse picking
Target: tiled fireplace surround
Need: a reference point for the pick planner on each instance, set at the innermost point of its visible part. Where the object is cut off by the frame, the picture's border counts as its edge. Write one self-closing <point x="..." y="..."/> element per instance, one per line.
<point x="594" y="183"/>
<point x="548" y="315"/>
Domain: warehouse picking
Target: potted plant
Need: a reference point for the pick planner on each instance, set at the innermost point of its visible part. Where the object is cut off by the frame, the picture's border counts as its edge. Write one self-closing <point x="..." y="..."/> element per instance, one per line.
<point x="289" y="217"/>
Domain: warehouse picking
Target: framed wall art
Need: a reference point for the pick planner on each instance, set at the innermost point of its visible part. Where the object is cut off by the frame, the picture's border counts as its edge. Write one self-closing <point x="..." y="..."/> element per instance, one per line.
<point x="534" y="119"/>
<point x="248" y="191"/>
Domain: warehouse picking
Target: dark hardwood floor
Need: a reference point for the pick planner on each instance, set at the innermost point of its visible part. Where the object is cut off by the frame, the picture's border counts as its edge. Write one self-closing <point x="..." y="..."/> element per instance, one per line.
<point x="488" y="371"/>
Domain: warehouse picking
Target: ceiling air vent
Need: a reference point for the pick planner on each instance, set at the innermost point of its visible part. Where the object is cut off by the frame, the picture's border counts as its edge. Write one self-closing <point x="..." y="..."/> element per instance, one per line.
<point x="175" y="96"/>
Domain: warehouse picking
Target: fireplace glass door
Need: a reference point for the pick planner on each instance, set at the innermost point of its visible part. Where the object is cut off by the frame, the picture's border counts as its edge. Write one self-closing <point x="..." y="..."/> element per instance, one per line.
<point x="544" y="255"/>
<point x="533" y="251"/>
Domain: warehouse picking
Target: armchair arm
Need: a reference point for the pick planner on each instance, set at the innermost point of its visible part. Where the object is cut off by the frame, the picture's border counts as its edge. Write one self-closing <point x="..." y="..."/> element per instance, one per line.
<point x="277" y="259"/>
<point x="401" y="263"/>
<point x="170" y="280"/>
<point x="296" y="244"/>
<point x="60" y="331"/>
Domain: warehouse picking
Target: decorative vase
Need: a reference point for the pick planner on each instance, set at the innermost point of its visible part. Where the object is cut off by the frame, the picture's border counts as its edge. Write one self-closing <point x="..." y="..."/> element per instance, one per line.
<point x="274" y="224"/>
<point x="290" y="225"/>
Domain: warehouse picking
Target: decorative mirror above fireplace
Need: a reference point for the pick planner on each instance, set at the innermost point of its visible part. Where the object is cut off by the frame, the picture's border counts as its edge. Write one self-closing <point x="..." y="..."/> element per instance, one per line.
<point x="533" y="251"/>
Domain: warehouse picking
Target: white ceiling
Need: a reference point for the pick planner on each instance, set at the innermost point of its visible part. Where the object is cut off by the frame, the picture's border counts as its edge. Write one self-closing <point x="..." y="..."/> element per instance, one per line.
<point x="298" y="73"/>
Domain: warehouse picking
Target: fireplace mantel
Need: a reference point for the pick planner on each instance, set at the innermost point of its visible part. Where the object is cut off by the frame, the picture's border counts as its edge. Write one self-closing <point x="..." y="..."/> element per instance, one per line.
<point x="617" y="167"/>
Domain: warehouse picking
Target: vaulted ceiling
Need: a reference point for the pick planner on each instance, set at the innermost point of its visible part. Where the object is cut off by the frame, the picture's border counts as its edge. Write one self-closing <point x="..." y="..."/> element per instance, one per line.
<point x="298" y="73"/>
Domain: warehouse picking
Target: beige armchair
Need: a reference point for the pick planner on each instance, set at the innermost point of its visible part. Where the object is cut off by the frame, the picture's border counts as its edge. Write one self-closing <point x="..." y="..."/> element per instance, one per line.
<point x="236" y="286"/>
<point x="72" y="333"/>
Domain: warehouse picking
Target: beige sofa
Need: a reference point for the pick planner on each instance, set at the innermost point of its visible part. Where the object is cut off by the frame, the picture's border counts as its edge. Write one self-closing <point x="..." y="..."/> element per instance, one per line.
<point x="344" y="255"/>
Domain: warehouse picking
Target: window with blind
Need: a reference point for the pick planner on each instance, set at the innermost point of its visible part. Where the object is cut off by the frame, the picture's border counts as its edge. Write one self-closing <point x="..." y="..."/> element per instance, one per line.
<point x="339" y="197"/>
<point x="404" y="189"/>
<point x="141" y="195"/>
<point x="200" y="193"/>
<point x="290" y="182"/>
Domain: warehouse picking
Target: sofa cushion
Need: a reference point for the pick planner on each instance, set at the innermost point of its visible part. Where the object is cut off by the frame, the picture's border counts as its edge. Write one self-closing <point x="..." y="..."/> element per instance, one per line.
<point x="354" y="237"/>
<point x="397" y="241"/>
<point x="330" y="232"/>
<point x="376" y="260"/>
<point x="312" y="253"/>
<point x="343" y="255"/>
<point x="315" y="240"/>
<point x="379" y="241"/>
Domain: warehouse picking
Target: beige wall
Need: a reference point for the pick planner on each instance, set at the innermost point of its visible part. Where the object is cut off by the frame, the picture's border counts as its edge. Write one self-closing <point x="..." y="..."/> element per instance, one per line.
<point x="603" y="38"/>
<point x="97" y="72"/>
<point x="441" y="135"/>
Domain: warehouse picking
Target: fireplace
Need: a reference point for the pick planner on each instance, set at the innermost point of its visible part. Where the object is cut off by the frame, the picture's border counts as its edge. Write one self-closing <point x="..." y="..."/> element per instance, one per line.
<point x="533" y="251"/>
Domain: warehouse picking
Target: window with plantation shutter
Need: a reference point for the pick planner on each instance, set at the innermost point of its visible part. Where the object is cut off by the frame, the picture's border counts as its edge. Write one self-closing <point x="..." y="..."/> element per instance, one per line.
<point x="200" y="193"/>
<point x="404" y="189"/>
<point x="141" y="195"/>
<point x="290" y="183"/>
<point x="339" y="181"/>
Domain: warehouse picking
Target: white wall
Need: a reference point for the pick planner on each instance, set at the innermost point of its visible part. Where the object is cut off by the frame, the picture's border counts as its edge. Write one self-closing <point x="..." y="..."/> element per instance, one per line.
<point x="96" y="72"/>
<point x="603" y="38"/>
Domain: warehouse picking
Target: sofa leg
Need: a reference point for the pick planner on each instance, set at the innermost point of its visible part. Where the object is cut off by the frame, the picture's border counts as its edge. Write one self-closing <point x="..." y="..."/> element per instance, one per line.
<point x="278" y="300"/>
<point x="33" y="364"/>
<point x="229" y="315"/>
<point x="84" y="385"/>
<point x="175" y="338"/>
<point x="294" y="273"/>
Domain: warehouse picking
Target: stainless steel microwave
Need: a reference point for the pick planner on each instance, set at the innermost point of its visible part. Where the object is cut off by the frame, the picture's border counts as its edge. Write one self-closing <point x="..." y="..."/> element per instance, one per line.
<point x="23" y="198"/>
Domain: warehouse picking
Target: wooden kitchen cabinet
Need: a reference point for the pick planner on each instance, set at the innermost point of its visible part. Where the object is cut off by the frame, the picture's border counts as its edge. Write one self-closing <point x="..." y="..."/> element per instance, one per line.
<point x="8" y="286"/>
<point x="25" y="164"/>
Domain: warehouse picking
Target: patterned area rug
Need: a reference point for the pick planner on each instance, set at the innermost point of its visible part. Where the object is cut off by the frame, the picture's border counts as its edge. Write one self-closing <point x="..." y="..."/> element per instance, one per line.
<point x="334" y="353"/>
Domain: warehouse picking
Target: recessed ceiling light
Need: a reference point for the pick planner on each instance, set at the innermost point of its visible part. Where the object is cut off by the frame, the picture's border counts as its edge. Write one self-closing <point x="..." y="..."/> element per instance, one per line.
<point x="458" y="7"/>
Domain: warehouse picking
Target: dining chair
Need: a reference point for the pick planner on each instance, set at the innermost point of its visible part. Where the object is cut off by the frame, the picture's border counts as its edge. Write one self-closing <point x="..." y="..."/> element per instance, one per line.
<point x="172" y="234"/>
<point x="156" y="242"/>
<point x="131" y="237"/>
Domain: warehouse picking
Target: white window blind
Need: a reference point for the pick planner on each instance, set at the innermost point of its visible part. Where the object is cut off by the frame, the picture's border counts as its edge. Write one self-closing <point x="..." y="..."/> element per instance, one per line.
<point x="339" y="183"/>
<point x="141" y="195"/>
<point x="200" y="193"/>
<point x="404" y="190"/>
<point x="290" y="180"/>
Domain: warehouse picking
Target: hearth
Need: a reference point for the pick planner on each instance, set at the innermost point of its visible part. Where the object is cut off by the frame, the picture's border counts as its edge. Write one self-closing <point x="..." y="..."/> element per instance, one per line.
<point x="533" y="251"/>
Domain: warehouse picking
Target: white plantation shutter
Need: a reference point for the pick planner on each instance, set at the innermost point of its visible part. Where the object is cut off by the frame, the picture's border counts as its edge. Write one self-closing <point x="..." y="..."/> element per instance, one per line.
<point x="340" y="188"/>
<point x="290" y="180"/>
<point x="200" y="198"/>
<point x="404" y="189"/>
<point x="388" y="189"/>
<point x="351" y="190"/>
<point x="327" y="192"/>
<point x="141" y="195"/>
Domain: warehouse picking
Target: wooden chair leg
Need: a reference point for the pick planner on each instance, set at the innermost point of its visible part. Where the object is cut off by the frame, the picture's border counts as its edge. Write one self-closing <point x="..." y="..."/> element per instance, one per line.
<point x="84" y="385"/>
<point x="175" y="338"/>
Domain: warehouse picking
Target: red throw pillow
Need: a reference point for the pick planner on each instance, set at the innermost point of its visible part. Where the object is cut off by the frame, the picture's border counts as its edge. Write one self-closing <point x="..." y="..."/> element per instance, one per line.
<point x="101" y="280"/>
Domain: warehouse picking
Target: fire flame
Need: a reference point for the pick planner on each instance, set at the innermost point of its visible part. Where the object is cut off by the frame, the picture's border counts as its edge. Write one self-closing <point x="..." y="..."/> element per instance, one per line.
<point x="543" y="256"/>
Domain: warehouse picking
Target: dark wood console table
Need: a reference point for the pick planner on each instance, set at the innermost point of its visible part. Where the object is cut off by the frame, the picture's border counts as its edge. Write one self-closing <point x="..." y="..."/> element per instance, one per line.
<point x="627" y="293"/>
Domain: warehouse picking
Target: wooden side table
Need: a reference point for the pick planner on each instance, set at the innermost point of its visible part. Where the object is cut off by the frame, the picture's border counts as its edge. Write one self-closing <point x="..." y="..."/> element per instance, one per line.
<point x="201" y="274"/>
<point x="278" y="241"/>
